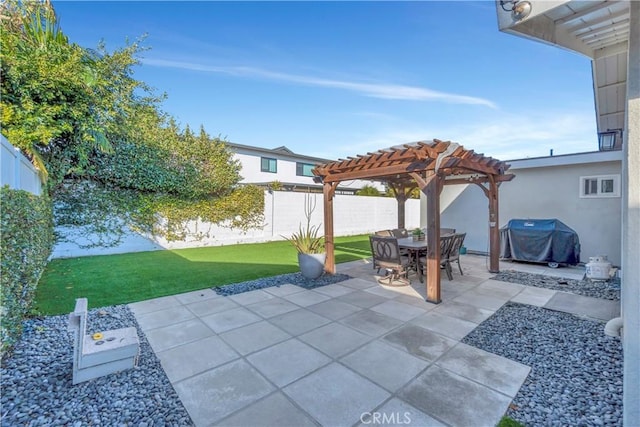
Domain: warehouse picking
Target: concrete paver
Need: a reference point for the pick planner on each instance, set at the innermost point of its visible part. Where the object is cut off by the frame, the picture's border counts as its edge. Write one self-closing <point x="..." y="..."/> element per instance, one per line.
<point x="451" y="327"/>
<point x="335" y="339"/>
<point x="272" y="307"/>
<point x="496" y="372"/>
<point x="463" y="311"/>
<point x="534" y="296"/>
<point x="299" y="321"/>
<point x="336" y="406"/>
<point x="371" y="323"/>
<point x="254" y="337"/>
<point x="294" y="359"/>
<point x="305" y="299"/>
<point x="186" y="360"/>
<point x="230" y="319"/>
<point x="454" y="399"/>
<point x="353" y="353"/>
<point x="399" y="310"/>
<point x="379" y="363"/>
<point x="584" y="306"/>
<point x="362" y="299"/>
<point x="177" y="334"/>
<point x="334" y="309"/>
<point x="419" y="342"/>
<point x="164" y="317"/>
<point x="217" y="393"/>
<point x="398" y="413"/>
<point x="274" y="410"/>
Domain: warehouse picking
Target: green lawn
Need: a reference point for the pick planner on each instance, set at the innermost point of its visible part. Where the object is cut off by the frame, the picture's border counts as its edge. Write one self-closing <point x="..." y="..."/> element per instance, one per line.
<point x="118" y="279"/>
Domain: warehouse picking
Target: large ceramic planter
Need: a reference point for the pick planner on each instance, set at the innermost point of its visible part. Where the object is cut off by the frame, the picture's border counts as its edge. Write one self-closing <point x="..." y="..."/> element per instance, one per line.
<point x="311" y="265"/>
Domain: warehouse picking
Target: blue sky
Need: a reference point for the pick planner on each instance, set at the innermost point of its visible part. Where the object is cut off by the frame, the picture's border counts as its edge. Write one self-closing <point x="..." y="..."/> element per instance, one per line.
<point x="336" y="79"/>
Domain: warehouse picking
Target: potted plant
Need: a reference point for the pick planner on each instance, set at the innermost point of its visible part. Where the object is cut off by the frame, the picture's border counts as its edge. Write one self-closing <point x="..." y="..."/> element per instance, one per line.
<point x="310" y="246"/>
<point x="417" y="234"/>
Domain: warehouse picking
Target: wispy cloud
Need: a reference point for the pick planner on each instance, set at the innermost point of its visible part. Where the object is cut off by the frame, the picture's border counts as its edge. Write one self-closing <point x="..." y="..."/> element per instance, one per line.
<point x="504" y="138"/>
<point x="374" y="90"/>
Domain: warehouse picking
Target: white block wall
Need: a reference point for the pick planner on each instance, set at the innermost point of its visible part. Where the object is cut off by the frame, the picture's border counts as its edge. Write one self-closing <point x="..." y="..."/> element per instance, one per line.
<point x="16" y="170"/>
<point x="284" y="211"/>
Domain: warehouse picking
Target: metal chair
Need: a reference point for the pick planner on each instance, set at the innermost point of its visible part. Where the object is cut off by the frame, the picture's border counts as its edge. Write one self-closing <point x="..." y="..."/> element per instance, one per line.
<point x="400" y="233"/>
<point x="386" y="254"/>
<point x="445" y="231"/>
<point x="446" y="242"/>
<point x="454" y="253"/>
<point x="385" y="233"/>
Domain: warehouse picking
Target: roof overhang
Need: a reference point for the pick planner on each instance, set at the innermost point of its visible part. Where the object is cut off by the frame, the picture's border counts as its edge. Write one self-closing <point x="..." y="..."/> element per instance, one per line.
<point x="592" y="28"/>
<point x="597" y="29"/>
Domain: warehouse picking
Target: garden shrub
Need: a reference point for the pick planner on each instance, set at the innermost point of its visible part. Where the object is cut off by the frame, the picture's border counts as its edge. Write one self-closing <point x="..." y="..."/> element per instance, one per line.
<point x="26" y="241"/>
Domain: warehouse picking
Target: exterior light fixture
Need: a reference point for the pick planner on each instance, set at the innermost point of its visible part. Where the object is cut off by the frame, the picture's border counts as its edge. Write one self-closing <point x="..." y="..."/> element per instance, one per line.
<point x="519" y="9"/>
<point x="608" y="140"/>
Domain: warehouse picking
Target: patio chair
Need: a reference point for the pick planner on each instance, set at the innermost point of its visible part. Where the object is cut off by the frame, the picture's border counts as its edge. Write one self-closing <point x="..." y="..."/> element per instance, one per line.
<point x="386" y="254"/>
<point x="400" y="233"/>
<point x="385" y="233"/>
<point x="454" y="253"/>
<point x="445" y="231"/>
<point x="446" y="243"/>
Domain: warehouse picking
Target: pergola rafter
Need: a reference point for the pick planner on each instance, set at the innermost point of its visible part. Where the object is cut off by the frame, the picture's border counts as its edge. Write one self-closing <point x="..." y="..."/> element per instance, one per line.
<point x="428" y="166"/>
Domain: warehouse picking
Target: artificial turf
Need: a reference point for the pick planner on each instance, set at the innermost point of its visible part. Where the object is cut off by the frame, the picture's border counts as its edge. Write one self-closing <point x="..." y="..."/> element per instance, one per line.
<point x="119" y="279"/>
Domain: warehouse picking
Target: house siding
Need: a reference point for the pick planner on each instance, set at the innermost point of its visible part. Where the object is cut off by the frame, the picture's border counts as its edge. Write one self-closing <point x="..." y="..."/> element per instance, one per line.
<point x="543" y="188"/>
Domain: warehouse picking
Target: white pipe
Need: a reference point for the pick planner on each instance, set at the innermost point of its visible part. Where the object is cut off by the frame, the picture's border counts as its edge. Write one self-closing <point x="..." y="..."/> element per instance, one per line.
<point x="613" y="328"/>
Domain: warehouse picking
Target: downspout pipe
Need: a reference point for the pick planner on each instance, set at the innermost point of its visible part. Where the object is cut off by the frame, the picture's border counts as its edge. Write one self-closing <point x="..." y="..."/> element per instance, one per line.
<point x="613" y="328"/>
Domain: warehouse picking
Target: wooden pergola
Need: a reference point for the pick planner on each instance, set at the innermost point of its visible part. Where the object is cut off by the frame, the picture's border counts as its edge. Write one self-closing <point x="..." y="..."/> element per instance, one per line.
<point x="428" y="166"/>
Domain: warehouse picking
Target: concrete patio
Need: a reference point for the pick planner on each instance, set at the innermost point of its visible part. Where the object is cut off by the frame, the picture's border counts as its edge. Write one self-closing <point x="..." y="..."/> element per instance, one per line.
<point x="347" y="354"/>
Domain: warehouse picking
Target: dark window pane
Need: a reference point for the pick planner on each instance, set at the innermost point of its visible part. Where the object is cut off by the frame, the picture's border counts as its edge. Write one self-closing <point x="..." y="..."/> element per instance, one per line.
<point x="606" y="186"/>
<point x="304" y="169"/>
<point x="268" y="165"/>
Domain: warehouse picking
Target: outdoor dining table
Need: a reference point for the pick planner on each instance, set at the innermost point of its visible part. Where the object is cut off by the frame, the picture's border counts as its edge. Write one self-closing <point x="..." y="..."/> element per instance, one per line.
<point x="414" y="246"/>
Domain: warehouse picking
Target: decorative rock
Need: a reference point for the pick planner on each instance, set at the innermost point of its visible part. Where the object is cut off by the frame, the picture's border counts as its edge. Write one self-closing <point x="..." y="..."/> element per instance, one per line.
<point x="569" y="357"/>
<point x="283" y="279"/>
<point x="603" y="289"/>
<point x="124" y="398"/>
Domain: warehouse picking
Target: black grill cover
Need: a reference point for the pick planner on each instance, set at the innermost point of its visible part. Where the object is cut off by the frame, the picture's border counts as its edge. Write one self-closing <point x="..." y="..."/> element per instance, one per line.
<point x="539" y="240"/>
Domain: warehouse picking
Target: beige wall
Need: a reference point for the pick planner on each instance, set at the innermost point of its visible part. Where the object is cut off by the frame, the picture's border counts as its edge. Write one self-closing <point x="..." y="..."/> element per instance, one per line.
<point x="542" y="191"/>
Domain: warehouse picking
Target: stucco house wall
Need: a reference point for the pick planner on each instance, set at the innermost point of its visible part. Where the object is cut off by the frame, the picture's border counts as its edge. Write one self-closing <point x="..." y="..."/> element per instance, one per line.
<point x="546" y="187"/>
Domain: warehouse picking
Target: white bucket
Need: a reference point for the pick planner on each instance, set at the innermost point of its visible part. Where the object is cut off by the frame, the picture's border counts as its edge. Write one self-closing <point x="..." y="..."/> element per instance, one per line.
<point x="598" y="268"/>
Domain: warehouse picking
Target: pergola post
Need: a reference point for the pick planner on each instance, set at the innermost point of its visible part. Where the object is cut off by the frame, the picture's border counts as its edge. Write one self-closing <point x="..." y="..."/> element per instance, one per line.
<point x="328" y="190"/>
<point x="431" y="187"/>
<point x="494" y="231"/>
<point x="400" y="191"/>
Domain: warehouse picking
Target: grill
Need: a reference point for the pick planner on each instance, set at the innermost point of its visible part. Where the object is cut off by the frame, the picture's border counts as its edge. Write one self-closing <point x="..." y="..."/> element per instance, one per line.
<point x="539" y="240"/>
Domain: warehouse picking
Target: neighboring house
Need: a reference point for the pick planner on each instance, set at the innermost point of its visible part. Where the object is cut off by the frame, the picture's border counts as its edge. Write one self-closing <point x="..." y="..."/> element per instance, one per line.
<point x="607" y="32"/>
<point x="291" y="171"/>
<point x="582" y="190"/>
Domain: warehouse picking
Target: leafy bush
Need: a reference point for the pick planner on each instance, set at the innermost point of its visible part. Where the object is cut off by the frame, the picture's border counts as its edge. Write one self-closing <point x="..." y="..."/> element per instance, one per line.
<point x="26" y="240"/>
<point x="368" y="190"/>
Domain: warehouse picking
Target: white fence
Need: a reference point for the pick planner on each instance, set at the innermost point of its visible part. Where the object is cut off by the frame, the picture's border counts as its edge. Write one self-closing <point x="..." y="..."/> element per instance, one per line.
<point x="17" y="171"/>
<point x="283" y="213"/>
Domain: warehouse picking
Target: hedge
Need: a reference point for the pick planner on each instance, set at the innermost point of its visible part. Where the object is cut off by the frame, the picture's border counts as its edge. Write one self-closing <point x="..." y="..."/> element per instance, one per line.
<point x="26" y="240"/>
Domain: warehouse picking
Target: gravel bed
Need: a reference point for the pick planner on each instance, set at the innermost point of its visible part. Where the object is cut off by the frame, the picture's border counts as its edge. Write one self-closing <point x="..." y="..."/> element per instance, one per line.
<point x="283" y="279"/>
<point x="37" y="389"/>
<point x="609" y="289"/>
<point x="576" y="370"/>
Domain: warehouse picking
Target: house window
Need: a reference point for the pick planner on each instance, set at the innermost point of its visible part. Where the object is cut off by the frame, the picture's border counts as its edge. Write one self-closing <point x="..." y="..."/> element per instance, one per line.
<point x="600" y="186"/>
<point x="268" y="165"/>
<point x="304" y="169"/>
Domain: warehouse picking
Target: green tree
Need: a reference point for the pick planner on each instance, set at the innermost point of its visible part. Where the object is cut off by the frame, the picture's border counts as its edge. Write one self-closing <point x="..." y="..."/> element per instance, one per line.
<point x="101" y="139"/>
<point x="368" y="190"/>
